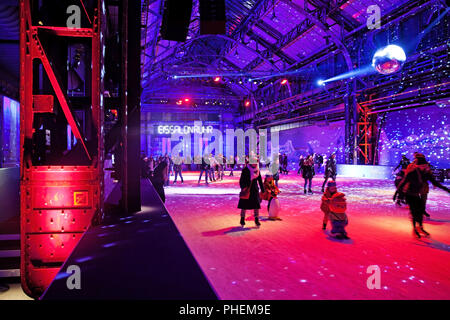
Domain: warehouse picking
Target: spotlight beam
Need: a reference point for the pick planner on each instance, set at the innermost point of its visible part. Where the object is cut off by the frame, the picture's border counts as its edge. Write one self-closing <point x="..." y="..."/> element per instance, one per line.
<point x="358" y="72"/>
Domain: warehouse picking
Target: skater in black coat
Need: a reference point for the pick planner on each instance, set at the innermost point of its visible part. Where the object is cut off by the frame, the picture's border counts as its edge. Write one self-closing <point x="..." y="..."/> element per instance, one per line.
<point x="399" y="197"/>
<point x="308" y="172"/>
<point x="204" y="168"/>
<point x="285" y="164"/>
<point x="249" y="197"/>
<point x="404" y="162"/>
<point x="330" y="170"/>
<point x="413" y="184"/>
<point x="300" y="164"/>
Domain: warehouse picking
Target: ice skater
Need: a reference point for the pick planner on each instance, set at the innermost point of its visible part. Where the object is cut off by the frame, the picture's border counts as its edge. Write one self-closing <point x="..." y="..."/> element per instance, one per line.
<point x="204" y="168"/>
<point x="249" y="196"/>
<point x="308" y="172"/>
<point x="330" y="170"/>
<point x="414" y="185"/>
<point x="285" y="164"/>
<point x="399" y="197"/>
<point x="300" y="164"/>
<point x="212" y="168"/>
<point x="222" y="166"/>
<point x="169" y="161"/>
<point x="178" y="168"/>
<point x="270" y="194"/>
<point x="404" y="162"/>
<point x="334" y="206"/>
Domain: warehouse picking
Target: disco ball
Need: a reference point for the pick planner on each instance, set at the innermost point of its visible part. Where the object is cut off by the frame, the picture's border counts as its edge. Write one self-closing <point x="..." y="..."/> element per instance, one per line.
<point x="389" y="59"/>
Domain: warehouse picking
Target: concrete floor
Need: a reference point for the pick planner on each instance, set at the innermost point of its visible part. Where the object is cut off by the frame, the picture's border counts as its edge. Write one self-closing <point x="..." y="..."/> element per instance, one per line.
<point x="15" y="292"/>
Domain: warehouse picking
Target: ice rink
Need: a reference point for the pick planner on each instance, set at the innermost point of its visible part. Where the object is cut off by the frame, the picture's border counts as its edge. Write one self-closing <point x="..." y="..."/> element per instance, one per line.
<point x="295" y="259"/>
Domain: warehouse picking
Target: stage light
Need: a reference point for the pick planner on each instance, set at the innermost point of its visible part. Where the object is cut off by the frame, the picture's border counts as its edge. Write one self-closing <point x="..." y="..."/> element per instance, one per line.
<point x="284" y="81"/>
<point x="216" y="79"/>
<point x="186" y="100"/>
<point x="321" y="83"/>
<point x="247" y="103"/>
<point x="388" y="59"/>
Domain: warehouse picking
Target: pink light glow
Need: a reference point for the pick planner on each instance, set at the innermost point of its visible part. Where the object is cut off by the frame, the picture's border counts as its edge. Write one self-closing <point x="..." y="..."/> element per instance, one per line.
<point x="295" y="259"/>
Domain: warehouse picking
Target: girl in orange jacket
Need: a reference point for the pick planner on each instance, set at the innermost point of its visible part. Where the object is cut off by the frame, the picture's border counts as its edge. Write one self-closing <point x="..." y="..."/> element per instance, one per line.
<point x="334" y="206"/>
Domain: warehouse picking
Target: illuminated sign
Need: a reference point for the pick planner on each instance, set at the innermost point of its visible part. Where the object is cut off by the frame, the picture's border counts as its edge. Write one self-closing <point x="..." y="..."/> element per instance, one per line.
<point x="170" y="129"/>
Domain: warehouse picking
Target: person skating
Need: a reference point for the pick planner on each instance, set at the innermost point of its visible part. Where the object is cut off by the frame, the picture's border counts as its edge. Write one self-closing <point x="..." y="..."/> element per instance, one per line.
<point x="232" y="163"/>
<point x="169" y="161"/>
<point x="249" y="198"/>
<point x="426" y="188"/>
<point x="308" y="172"/>
<point x="285" y="164"/>
<point x="399" y="197"/>
<point x="318" y="159"/>
<point x="300" y="164"/>
<point x="178" y="168"/>
<point x="334" y="206"/>
<point x="330" y="170"/>
<point x="270" y="194"/>
<point x="404" y="162"/>
<point x="222" y="166"/>
<point x="413" y="186"/>
<point x="204" y="168"/>
<point x="212" y="168"/>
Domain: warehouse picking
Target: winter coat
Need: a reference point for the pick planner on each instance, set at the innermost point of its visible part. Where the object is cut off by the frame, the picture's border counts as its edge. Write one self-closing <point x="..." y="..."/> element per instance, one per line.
<point x="204" y="165"/>
<point x="300" y="162"/>
<point x="404" y="162"/>
<point x="285" y="161"/>
<point x="308" y="169"/>
<point x="160" y="174"/>
<point x="253" y="202"/>
<point x="330" y="167"/>
<point x="270" y="190"/>
<point x="334" y="205"/>
<point x="415" y="181"/>
<point x="399" y="177"/>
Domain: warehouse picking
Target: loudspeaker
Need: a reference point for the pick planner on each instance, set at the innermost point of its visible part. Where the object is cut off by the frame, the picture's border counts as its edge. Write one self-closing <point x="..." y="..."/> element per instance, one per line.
<point x="212" y="17"/>
<point x="176" y="19"/>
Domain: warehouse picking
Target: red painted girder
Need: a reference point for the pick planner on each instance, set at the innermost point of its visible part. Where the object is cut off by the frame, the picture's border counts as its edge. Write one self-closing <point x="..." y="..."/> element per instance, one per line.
<point x="38" y="51"/>
<point x="68" y="32"/>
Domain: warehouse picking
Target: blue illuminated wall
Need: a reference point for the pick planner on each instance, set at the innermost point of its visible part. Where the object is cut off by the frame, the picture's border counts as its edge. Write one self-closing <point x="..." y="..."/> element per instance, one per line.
<point x="10" y="132"/>
<point x="426" y="130"/>
<point x="320" y="138"/>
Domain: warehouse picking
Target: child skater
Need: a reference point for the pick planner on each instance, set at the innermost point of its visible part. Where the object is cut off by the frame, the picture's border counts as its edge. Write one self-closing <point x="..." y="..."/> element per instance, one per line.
<point x="270" y="194"/>
<point x="334" y="207"/>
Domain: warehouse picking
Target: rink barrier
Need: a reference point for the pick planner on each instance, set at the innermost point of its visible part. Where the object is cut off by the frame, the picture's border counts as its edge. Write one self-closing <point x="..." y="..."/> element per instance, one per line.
<point x="365" y="171"/>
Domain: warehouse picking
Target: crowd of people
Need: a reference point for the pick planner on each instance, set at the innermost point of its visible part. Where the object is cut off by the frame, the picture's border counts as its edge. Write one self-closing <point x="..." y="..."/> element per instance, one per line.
<point x="411" y="184"/>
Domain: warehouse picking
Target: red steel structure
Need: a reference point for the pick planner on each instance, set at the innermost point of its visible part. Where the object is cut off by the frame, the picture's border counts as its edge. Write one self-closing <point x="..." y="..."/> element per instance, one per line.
<point x="58" y="202"/>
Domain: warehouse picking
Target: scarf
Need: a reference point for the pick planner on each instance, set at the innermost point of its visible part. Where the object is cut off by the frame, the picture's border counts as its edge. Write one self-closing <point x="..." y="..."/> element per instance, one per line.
<point x="254" y="172"/>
